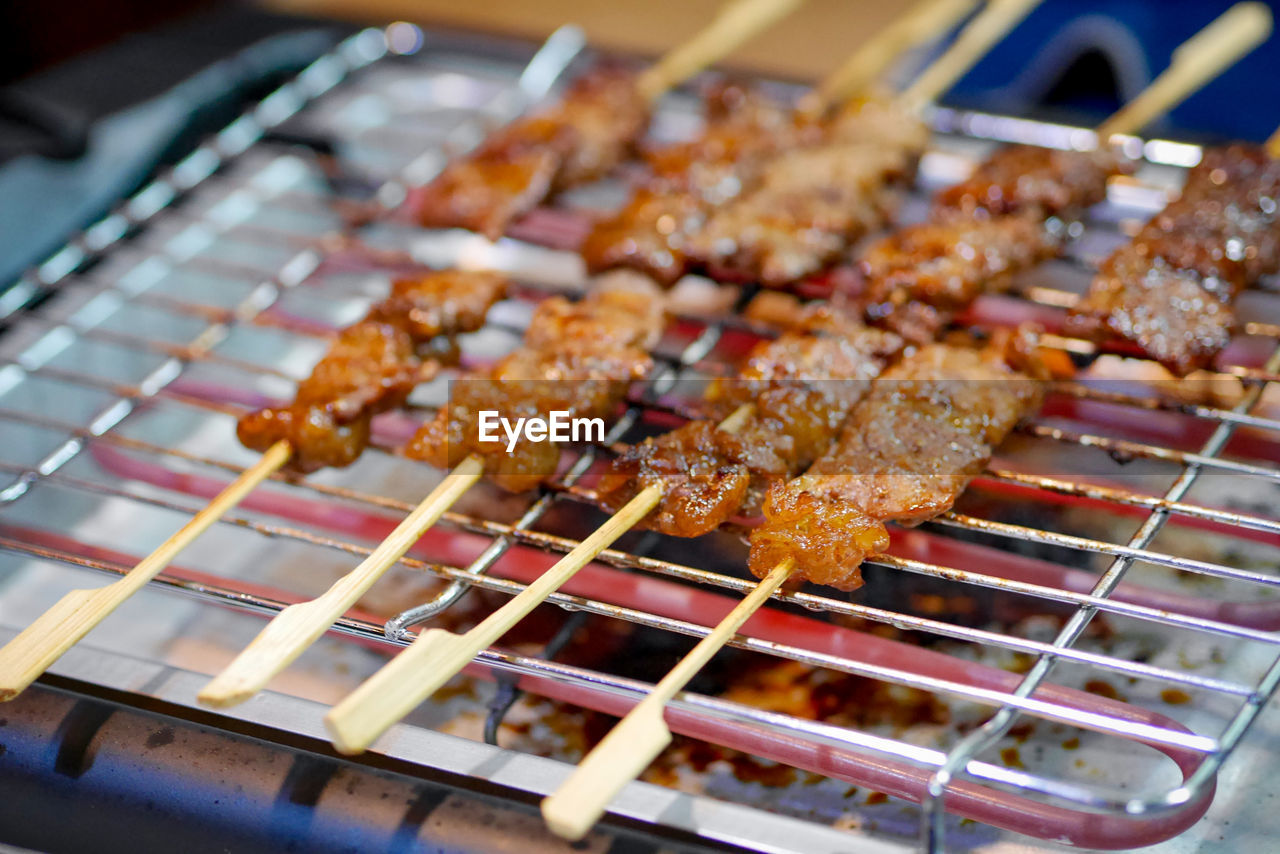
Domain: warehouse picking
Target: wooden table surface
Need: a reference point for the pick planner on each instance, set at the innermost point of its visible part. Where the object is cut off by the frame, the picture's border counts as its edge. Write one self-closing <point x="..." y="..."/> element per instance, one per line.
<point x="813" y="40"/>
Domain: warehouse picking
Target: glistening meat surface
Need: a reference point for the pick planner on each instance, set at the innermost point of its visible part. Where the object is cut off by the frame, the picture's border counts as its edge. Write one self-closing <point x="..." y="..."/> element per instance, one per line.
<point x="580" y="138"/>
<point x="687" y="180"/>
<point x="1039" y="182"/>
<point x="905" y="454"/>
<point x="799" y="388"/>
<point x="578" y="358"/>
<point x="1172" y="288"/>
<point x="811" y="202"/>
<point x="919" y="276"/>
<point x="372" y="366"/>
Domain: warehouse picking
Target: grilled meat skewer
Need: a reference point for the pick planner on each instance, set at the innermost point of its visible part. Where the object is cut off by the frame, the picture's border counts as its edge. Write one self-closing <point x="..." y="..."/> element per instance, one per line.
<point x="799" y="387"/>
<point x="1170" y="290"/>
<point x="1037" y="182"/>
<point x="656" y="231"/>
<point x="810" y="203"/>
<point x="985" y="230"/>
<point x="577" y="357"/>
<point x="583" y="136"/>
<point x="372" y="367"/>
<point x="580" y="138"/>
<point x="689" y="179"/>
<point x="980" y="234"/>
<point x="905" y="454"/>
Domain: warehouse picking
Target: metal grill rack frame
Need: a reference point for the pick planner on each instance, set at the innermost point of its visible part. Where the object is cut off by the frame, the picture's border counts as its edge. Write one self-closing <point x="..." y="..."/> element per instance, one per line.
<point x="43" y="330"/>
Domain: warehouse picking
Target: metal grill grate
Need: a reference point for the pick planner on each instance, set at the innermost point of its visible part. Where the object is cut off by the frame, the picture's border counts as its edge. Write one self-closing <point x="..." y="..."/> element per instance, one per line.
<point x="129" y="352"/>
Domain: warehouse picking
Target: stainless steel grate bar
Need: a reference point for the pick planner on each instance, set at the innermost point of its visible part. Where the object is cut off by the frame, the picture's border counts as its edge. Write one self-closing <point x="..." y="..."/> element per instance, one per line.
<point x="933" y="827"/>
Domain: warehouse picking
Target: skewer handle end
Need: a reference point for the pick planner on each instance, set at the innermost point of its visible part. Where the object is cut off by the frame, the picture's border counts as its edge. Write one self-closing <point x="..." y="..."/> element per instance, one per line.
<point x="40" y="644"/>
<point x="1196" y="62"/>
<point x="298" y="626"/>
<point x="37" y="647"/>
<point x="397" y="689"/>
<point x="437" y="655"/>
<point x="927" y="20"/>
<point x="738" y="21"/>
<point x="275" y="648"/>
<point x="620" y="757"/>
<point x="982" y="33"/>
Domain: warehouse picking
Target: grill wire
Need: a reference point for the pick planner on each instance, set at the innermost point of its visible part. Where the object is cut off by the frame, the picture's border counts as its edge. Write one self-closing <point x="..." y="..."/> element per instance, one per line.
<point x="241" y="158"/>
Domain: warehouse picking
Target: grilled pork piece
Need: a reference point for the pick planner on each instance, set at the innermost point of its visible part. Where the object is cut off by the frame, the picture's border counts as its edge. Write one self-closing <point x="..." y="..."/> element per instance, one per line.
<point x="687" y="180"/>
<point x="371" y="367"/>
<point x="1039" y="182"/>
<point x="650" y="234"/>
<point x="905" y="454"/>
<point x="579" y="139"/>
<point x="446" y="303"/>
<point x="801" y="386"/>
<point x="578" y="358"/>
<point x="801" y="186"/>
<point x="919" y="276"/>
<point x="744" y="126"/>
<point x="485" y="193"/>
<point x="980" y="234"/>
<point x="809" y="206"/>
<point x="811" y="202"/>
<point x="1171" y="289"/>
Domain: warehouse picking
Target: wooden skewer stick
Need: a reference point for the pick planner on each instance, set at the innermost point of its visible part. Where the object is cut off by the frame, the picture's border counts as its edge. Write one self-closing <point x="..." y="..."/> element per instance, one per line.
<point x="982" y="33"/>
<point x="298" y="626"/>
<point x="55" y="631"/>
<point x="438" y="655"/>
<point x="631" y="745"/>
<point x="1273" y="144"/>
<point x="1198" y="60"/>
<point x="737" y="22"/>
<point x="642" y="734"/>
<point x="927" y="20"/>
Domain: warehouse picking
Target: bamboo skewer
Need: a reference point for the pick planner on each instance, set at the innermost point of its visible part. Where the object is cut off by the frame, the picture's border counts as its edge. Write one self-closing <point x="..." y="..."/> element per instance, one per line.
<point x="437" y="655"/>
<point x="643" y="733"/>
<point x="298" y="626"/>
<point x="973" y="43"/>
<point x="927" y="20"/>
<point x="1196" y="61"/>
<point x="1273" y="144"/>
<point x="40" y="644"/>
<point x="633" y="743"/>
<point x="737" y="22"/>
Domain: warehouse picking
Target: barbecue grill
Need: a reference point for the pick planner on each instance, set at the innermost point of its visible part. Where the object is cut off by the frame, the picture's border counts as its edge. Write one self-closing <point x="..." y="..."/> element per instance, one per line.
<point x="1098" y="617"/>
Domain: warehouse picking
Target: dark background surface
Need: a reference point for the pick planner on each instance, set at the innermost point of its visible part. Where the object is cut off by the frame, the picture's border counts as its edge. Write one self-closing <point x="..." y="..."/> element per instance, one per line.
<point x="89" y="117"/>
<point x="64" y="65"/>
